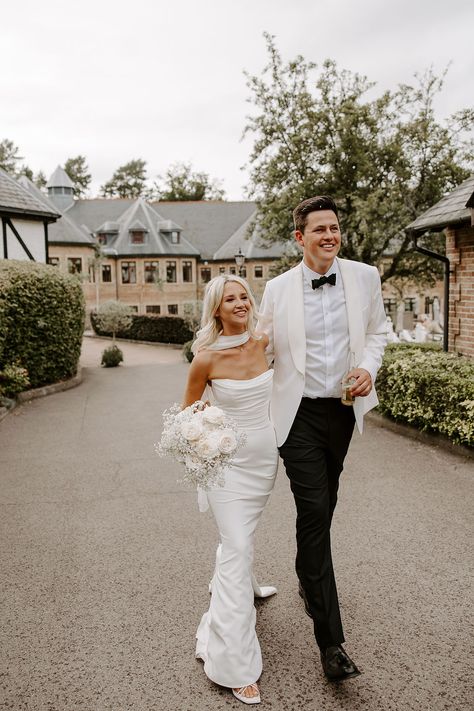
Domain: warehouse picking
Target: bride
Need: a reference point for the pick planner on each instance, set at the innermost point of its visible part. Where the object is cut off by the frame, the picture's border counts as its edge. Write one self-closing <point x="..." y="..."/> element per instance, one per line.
<point x="229" y="357"/>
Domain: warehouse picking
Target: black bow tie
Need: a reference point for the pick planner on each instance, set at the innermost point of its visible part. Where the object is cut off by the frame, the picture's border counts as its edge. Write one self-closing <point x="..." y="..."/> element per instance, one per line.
<point x="316" y="283"/>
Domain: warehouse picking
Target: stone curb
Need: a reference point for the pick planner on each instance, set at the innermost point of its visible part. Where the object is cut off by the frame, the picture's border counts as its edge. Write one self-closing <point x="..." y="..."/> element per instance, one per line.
<point x="28" y="395"/>
<point x="430" y="438"/>
<point x="176" y="346"/>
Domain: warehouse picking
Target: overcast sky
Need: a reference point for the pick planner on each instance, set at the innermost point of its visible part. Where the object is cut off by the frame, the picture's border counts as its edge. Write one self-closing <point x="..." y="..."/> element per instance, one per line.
<point x="163" y="81"/>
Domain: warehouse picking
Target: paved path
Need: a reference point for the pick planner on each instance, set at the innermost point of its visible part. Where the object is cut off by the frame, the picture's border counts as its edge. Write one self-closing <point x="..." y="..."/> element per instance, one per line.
<point x="105" y="564"/>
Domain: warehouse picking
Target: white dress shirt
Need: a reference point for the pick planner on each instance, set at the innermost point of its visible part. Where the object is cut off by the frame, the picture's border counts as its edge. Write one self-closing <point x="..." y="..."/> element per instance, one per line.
<point x="327" y="335"/>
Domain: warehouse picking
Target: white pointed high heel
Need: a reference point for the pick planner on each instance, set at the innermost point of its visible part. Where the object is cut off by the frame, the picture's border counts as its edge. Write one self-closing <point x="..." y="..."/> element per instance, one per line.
<point x="262" y="590"/>
<point x="238" y="693"/>
<point x="259" y="591"/>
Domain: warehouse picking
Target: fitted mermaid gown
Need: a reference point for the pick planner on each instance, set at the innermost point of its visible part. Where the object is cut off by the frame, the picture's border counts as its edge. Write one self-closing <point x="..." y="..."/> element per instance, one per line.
<point x="226" y="637"/>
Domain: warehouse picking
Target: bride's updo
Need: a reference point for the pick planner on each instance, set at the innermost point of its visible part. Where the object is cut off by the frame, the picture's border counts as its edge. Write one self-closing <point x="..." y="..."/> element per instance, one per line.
<point x="211" y="325"/>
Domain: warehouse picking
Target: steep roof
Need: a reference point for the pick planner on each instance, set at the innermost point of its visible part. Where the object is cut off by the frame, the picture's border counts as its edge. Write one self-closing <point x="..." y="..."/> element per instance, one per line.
<point x="207" y="225"/>
<point x="450" y="210"/>
<point x="65" y="231"/>
<point x="60" y="179"/>
<point x="34" y="190"/>
<point x="94" y="213"/>
<point x="155" y="242"/>
<point x="215" y="229"/>
<point x="17" y="200"/>
<point x="253" y="247"/>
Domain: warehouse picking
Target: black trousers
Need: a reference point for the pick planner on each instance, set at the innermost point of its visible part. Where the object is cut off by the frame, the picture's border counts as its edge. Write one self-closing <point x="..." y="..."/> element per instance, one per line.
<point x="313" y="454"/>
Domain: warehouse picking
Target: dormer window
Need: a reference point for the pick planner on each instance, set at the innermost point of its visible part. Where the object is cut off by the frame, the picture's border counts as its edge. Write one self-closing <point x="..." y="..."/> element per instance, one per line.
<point x="137" y="236"/>
<point x="137" y="232"/>
<point x="102" y="238"/>
<point x="170" y="231"/>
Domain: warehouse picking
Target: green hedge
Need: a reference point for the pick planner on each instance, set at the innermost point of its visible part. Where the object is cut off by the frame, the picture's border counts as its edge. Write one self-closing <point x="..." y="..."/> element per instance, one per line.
<point x="159" y="329"/>
<point x="429" y="389"/>
<point x="41" y="320"/>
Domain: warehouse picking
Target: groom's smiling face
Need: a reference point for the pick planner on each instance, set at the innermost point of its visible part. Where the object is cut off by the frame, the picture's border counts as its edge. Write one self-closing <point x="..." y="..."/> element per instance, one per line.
<point x="321" y="240"/>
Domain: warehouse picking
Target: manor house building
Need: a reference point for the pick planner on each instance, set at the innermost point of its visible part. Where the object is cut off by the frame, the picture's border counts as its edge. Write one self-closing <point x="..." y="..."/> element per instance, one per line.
<point x="155" y="257"/>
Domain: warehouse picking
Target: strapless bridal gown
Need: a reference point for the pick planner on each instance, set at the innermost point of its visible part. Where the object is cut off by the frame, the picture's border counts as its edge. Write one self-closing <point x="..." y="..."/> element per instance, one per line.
<point x="226" y="637"/>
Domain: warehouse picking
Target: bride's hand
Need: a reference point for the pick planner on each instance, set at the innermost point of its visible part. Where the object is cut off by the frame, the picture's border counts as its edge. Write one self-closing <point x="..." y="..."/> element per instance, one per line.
<point x="202" y="405"/>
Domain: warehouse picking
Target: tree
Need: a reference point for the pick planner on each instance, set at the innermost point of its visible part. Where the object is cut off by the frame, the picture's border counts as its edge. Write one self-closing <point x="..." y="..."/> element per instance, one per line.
<point x="78" y="170"/>
<point x="384" y="160"/>
<point x="128" y="181"/>
<point x="113" y="316"/>
<point x="181" y="183"/>
<point x="9" y="162"/>
<point x="40" y="180"/>
<point x="95" y="262"/>
<point x="9" y="157"/>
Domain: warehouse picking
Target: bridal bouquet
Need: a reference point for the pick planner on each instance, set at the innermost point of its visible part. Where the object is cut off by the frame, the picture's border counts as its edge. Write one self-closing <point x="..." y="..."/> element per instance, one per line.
<point x="204" y="439"/>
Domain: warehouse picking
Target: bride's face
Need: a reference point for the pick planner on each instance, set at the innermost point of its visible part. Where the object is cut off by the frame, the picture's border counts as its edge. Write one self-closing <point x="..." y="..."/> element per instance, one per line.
<point x="234" y="308"/>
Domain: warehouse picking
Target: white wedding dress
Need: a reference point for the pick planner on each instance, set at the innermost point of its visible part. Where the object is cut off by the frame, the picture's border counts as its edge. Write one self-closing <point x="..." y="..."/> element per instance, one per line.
<point x="226" y="637"/>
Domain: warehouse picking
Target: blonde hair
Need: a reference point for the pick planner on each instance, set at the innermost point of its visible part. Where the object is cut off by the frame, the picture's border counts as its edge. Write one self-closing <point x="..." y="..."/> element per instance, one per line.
<point x="211" y="325"/>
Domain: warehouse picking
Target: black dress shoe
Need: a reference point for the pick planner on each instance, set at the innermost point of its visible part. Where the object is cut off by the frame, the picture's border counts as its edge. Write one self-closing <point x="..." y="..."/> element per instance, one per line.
<point x="337" y="664"/>
<point x="303" y="597"/>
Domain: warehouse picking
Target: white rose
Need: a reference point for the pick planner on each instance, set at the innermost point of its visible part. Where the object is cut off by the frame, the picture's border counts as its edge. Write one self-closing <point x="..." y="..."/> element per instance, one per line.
<point x="207" y="448"/>
<point x="227" y="442"/>
<point x="213" y="415"/>
<point x="192" y="430"/>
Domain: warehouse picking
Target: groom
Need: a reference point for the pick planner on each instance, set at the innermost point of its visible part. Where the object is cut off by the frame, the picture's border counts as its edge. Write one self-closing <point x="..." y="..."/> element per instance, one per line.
<point x="326" y="322"/>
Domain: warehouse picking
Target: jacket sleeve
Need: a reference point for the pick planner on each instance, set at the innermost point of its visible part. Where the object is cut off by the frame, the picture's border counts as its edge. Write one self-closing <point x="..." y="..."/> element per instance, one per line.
<point x="265" y="322"/>
<point x="376" y="332"/>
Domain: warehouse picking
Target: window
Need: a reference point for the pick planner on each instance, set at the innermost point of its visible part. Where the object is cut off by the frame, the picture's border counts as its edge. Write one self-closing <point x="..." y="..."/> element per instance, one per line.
<point x="133" y="308"/>
<point x="175" y="237"/>
<point x="129" y="272"/>
<point x="232" y="270"/>
<point x="173" y="309"/>
<point x="74" y="265"/>
<point x="221" y="270"/>
<point x="187" y="272"/>
<point x="205" y="274"/>
<point x="102" y="238"/>
<point x="137" y="237"/>
<point x="390" y="305"/>
<point x="258" y="271"/>
<point x="152" y="272"/>
<point x="243" y="272"/>
<point x="410" y="304"/>
<point x="171" y="272"/>
<point x="54" y="261"/>
<point x="153" y="309"/>
<point x="107" y="273"/>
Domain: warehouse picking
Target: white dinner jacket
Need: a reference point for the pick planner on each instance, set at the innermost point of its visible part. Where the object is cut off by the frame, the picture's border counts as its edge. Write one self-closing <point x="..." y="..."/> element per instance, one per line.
<point x="281" y="317"/>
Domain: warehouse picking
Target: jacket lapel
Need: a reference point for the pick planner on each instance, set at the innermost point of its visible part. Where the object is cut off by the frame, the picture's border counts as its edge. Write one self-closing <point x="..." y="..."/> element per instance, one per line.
<point x="354" y="311"/>
<point x="296" y="330"/>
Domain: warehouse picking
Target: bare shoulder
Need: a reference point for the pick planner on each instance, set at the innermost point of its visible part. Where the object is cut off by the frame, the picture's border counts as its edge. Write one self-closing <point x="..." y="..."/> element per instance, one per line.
<point x="202" y="361"/>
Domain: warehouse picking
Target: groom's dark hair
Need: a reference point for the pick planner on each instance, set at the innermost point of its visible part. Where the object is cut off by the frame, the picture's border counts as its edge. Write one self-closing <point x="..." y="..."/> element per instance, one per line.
<point x="320" y="202"/>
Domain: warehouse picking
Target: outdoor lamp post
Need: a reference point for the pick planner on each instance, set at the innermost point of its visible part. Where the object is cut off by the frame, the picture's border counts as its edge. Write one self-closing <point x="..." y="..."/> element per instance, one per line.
<point x="239" y="260"/>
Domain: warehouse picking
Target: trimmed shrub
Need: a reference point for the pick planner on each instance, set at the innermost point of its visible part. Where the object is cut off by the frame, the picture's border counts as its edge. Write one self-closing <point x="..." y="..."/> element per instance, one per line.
<point x="429" y="389"/>
<point x="187" y="352"/>
<point x="112" y="357"/>
<point x="13" y="380"/>
<point x="158" y="329"/>
<point x="41" y="320"/>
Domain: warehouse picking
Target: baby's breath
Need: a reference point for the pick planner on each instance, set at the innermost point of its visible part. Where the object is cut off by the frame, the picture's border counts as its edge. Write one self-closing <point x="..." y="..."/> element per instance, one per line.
<point x="203" y="439"/>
